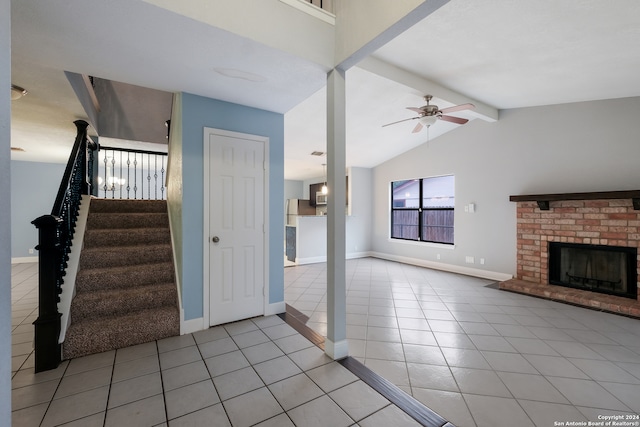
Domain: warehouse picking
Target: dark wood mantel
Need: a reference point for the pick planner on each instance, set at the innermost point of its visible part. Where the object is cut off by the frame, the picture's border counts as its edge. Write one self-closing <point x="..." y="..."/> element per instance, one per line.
<point x="544" y="199"/>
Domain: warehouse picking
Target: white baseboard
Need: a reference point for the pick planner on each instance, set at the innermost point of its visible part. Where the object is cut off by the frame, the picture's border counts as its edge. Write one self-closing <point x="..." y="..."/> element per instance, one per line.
<point x="318" y="259"/>
<point x="198" y="324"/>
<point x="192" y="325"/>
<point x="311" y="260"/>
<point x="24" y="259"/>
<point x="354" y="255"/>
<point x="451" y="268"/>
<point x="275" y="308"/>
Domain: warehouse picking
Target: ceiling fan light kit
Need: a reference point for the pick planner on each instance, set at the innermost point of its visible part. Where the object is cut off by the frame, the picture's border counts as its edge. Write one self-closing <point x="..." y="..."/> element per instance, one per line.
<point x="429" y="114"/>
<point x="17" y="92"/>
<point x="428" y="120"/>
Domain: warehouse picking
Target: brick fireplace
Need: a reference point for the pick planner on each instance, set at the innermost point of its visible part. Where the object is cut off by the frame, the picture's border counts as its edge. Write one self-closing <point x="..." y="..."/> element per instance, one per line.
<point x="596" y="219"/>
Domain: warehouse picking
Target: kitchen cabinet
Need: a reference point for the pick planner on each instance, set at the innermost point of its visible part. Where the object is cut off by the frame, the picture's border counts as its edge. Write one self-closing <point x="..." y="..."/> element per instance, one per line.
<point x="313" y="189"/>
<point x="316" y="188"/>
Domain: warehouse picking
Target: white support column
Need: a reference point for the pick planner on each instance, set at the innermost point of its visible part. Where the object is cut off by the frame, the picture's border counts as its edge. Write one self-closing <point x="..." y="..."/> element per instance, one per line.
<point x="336" y="343"/>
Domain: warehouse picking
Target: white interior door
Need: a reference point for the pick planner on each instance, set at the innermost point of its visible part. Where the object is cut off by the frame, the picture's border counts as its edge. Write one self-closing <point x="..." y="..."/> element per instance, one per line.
<point x="236" y="228"/>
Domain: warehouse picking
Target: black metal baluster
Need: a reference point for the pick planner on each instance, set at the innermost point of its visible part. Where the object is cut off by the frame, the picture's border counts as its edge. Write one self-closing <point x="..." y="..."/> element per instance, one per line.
<point x="155" y="176"/>
<point x="162" y="179"/>
<point x="113" y="174"/>
<point x="128" y="176"/>
<point x="135" y="177"/>
<point x="105" y="174"/>
<point x="149" y="176"/>
<point x="120" y="182"/>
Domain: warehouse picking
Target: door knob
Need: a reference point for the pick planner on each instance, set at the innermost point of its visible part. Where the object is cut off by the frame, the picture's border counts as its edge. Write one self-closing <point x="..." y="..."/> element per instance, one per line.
<point x="215" y="239"/>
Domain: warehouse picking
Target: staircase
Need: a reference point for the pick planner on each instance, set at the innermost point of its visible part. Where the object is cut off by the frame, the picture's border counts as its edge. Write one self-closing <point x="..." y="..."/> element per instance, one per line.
<point x="125" y="288"/>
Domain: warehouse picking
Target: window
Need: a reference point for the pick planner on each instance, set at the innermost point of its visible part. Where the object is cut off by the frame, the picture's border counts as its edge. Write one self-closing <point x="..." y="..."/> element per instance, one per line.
<point x="422" y="209"/>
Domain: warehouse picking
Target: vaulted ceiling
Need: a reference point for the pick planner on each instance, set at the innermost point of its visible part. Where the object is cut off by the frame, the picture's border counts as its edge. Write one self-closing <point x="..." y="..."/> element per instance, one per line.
<point x="498" y="53"/>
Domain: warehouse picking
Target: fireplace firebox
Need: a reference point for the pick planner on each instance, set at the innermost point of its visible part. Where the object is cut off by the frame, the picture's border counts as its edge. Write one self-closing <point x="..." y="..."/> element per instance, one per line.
<point x="597" y="268"/>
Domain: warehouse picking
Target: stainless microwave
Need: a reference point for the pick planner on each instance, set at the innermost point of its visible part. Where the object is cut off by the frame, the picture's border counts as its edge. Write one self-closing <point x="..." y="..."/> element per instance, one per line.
<point x="321" y="199"/>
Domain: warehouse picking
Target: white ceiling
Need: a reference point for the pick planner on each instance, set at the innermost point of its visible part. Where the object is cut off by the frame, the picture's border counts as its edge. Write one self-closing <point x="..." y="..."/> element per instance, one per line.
<point x="501" y="53"/>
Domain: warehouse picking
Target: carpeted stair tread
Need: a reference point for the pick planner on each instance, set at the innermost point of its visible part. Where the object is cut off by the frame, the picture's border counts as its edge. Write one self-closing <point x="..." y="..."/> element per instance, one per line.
<point x="113" y="332"/>
<point x="126" y="237"/>
<point x="120" y="256"/>
<point x="109" y="302"/>
<point x="115" y="205"/>
<point x="125" y="286"/>
<point x="124" y="277"/>
<point x="127" y="220"/>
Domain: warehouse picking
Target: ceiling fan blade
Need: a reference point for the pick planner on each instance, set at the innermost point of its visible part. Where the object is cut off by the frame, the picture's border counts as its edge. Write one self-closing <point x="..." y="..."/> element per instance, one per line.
<point x="416" y="109"/>
<point x="452" y="119"/>
<point x="458" y="108"/>
<point x="400" y="121"/>
<point x="418" y="128"/>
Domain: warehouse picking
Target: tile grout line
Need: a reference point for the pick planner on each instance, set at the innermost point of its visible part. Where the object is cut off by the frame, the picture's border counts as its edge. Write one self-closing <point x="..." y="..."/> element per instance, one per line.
<point x="257" y="373"/>
<point x="392" y="393"/>
<point x="164" y="396"/>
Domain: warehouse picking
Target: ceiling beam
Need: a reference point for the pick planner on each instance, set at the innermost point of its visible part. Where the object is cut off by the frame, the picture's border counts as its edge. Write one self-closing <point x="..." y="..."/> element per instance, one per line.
<point x="407" y="78"/>
<point x="354" y="28"/>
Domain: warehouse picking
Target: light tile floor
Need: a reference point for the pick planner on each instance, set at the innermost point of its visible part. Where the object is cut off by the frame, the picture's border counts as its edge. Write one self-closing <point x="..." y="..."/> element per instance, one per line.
<point x="476" y="355"/>
<point x="257" y="372"/>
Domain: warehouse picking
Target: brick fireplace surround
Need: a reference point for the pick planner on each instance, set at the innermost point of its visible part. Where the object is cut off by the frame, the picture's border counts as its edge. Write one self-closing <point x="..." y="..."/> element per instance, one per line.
<point x="587" y="218"/>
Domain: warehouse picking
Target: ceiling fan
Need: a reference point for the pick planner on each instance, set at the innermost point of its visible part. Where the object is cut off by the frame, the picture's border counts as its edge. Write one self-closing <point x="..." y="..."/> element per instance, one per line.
<point x="428" y="114"/>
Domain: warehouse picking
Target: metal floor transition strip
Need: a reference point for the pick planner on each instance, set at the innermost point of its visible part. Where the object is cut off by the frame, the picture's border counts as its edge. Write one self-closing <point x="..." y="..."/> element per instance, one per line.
<point x="395" y="395"/>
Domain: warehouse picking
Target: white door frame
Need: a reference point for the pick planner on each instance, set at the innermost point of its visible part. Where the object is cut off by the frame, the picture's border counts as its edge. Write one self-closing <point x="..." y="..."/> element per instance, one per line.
<point x="206" y="232"/>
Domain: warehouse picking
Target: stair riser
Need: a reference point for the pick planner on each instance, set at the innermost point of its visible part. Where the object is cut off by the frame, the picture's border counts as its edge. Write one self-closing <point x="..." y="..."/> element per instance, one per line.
<point x="119" y="221"/>
<point x="105" y="205"/>
<point x="91" y="337"/>
<point x="124" y="256"/>
<point x="125" y="287"/>
<point x="92" y="306"/>
<point x="92" y="279"/>
<point x="129" y="237"/>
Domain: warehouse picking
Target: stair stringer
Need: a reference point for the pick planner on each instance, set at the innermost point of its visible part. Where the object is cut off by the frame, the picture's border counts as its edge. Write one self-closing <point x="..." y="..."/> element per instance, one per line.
<point x="69" y="286"/>
<point x="176" y="275"/>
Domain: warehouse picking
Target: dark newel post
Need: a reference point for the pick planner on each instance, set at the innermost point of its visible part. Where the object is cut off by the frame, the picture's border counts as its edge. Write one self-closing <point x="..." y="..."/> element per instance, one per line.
<point x="81" y="127"/>
<point x="93" y="148"/>
<point x="47" y="325"/>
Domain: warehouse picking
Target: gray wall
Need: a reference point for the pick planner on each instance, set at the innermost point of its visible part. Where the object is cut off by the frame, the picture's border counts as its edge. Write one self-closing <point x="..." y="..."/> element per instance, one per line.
<point x="579" y="147"/>
<point x="360" y="221"/>
<point x="34" y="187"/>
<point x="293" y="189"/>
<point x="5" y="213"/>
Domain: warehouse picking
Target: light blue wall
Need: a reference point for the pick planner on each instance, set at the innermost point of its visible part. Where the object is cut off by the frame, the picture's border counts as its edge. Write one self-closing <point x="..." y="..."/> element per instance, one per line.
<point x="34" y="186"/>
<point x="197" y="113"/>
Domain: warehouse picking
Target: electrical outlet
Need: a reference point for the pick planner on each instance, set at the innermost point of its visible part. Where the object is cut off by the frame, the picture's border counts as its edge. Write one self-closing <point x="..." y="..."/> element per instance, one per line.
<point x="437" y="256"/>
<point x="481" y="261"/>
<point x="470" y="260"/>
<point x="31" y="251"/>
